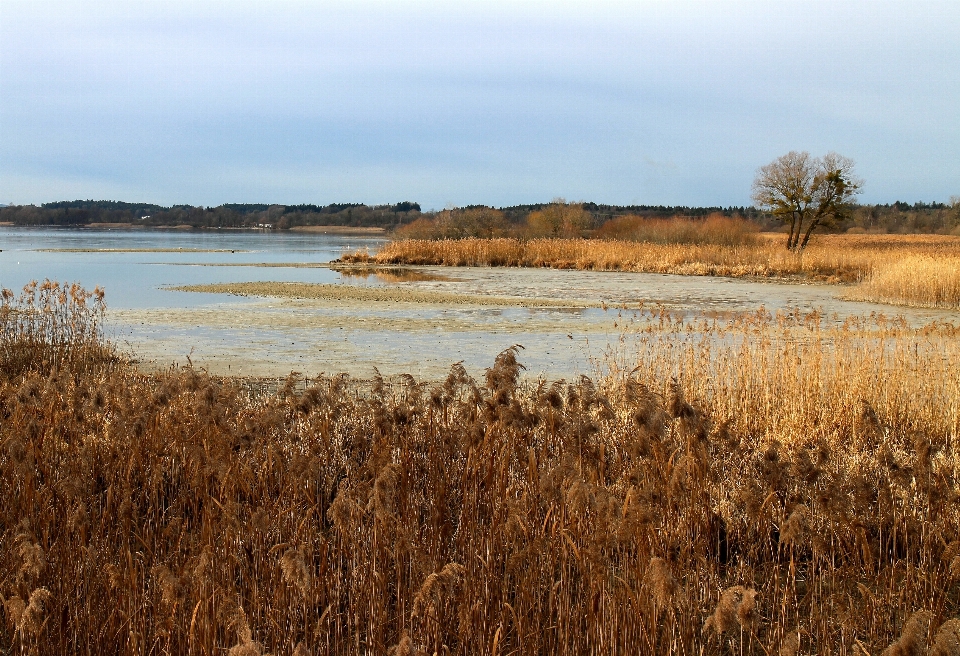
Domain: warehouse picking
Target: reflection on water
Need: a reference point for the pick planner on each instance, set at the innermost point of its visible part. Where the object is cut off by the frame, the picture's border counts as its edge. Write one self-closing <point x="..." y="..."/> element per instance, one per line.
<point x="136" y="267"/>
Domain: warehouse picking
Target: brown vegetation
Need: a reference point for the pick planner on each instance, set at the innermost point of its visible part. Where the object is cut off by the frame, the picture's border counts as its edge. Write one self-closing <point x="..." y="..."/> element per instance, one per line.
<point x="51" y="326"/>
<point x="759" y="486"/>
<point x="713" y="229"/>
<point x="843" y="257"/>
<point x="830" y="258"/>
<point x="922" y="280"/>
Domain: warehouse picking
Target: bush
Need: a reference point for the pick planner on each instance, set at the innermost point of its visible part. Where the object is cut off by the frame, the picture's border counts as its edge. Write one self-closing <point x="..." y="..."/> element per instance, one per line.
<point x="714" y="229"/>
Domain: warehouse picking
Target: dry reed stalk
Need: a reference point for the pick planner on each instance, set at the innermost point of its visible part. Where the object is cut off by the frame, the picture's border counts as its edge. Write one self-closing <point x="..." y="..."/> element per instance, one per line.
<point x="920" y="280"/>
<point x="913" y="269"/>
<point x="471" y="516"/>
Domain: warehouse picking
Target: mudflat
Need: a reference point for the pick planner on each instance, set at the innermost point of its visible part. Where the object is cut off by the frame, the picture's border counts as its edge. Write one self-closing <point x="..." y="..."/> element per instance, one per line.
<point x="332" y="292"/>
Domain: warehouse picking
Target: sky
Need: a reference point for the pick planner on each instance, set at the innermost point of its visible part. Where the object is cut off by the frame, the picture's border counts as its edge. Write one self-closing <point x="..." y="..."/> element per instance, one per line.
<point x="457" y="102"/>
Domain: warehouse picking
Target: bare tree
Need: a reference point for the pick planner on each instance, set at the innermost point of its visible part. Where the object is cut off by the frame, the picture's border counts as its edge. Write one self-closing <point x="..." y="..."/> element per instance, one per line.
<point x="806" y="192"/>
<point x="559" y="219"/>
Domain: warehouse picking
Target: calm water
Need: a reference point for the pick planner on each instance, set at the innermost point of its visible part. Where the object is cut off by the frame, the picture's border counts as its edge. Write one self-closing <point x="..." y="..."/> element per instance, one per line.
<point x="256" y="336"/>
<point x="137" y="280"/>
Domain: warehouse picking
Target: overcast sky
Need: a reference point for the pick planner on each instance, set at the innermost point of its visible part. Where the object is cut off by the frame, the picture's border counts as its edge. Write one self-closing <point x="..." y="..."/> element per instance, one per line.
<point x="471" y="101"/>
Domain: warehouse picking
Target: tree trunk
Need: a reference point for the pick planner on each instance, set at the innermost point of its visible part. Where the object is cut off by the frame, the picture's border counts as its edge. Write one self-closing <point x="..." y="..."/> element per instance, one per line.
<point x="791" y="240"/>
<point x="806" y="236"/>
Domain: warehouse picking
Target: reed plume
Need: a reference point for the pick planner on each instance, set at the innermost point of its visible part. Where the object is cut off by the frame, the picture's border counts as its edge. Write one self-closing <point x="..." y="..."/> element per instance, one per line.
<point x="707" y="491"/>
<point x="912" y="640"/>
<point x="947" y="640"/>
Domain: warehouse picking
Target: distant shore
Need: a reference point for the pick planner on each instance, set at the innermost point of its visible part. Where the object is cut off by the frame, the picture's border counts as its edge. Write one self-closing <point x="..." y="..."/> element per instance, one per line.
<point x="352" y="231"/>
<point x="346" y="231"/>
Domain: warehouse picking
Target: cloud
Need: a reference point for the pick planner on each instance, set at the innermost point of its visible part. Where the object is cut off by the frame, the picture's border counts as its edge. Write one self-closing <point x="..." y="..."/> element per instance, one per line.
<point x="471" y="101"/>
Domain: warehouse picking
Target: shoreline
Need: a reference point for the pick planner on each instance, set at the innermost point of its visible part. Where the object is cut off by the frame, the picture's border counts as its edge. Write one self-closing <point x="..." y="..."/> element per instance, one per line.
<point x="344" y="231"/>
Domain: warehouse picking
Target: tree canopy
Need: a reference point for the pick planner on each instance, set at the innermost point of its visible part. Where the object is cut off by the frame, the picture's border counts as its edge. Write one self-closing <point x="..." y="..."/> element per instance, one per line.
<point x="806" y="192"/>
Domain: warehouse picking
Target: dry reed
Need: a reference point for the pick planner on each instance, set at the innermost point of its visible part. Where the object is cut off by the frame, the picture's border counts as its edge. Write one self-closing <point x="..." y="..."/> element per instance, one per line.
<point x="50" y="325"/>
<point x="899" y="269"/>
<point x="756" y="486"/>
<point x="921" y="280"/>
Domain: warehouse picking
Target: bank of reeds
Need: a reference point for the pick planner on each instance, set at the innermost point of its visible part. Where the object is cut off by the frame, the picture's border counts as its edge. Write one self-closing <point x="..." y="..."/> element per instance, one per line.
<point x="921" y="280"/>
<point x="887" y="260"/>
<point x="49" y="326"/>
<point x="766" y="485"/>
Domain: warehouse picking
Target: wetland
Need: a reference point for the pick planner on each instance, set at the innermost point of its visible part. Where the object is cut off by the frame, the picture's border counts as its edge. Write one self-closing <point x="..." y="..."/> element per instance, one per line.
<point x="266" y="303"/>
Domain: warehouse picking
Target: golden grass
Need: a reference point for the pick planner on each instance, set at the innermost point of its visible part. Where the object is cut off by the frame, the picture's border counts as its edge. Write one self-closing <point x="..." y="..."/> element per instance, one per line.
<point x="49" y="326"/>
<point x="796" y="490"/>
<point x="832" y="256"/>
<point x="920" y="280"/>
<point x="829" y="258"/>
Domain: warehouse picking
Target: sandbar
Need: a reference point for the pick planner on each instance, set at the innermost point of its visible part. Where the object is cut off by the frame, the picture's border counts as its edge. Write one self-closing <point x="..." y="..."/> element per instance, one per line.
<point x="354" y="293"/>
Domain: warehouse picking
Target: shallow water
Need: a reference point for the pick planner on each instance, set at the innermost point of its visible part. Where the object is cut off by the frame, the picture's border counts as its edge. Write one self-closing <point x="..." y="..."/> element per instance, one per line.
<point x="272" y="336"/>
<point x="138" y="279"/>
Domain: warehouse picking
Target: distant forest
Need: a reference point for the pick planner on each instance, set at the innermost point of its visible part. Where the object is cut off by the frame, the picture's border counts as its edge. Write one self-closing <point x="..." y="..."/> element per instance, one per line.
<point x="892" y="218"/>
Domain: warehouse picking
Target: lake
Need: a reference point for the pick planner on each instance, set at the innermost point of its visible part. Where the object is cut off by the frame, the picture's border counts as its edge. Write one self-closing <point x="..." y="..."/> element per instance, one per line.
<point x="564" y="319"/>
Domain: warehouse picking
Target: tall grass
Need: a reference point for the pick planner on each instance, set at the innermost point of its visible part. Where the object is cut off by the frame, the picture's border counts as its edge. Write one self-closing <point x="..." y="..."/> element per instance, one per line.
<point x="918" y="280"/>
<point x="901" y="269"/>
<point x="760" y="486"/>
<point x="49" y="325"/>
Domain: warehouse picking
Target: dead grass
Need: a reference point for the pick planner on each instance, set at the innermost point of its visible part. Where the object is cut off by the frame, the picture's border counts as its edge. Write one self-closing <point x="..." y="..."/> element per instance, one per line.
<point x="920" y="280"/>
<point x="794" y="490"/>
<point x="829" y="258"/>
<point x="49" y="326"/>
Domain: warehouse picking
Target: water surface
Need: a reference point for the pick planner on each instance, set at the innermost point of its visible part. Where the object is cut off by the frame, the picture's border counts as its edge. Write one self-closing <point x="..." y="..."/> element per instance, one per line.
<point x="272" y="336"/>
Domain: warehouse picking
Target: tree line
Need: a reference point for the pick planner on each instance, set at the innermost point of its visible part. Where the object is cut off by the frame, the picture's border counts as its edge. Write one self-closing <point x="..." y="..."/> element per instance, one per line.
<point x="556" y="218"/>
<point x="80" y="213"/>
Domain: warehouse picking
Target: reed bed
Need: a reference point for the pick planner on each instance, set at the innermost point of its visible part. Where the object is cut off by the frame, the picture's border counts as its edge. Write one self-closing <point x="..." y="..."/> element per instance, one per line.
<point x="833" y="258"/>
<point x="49" y="326"/>
<point x="920" y="280"/>
<point x="761" y="485"/>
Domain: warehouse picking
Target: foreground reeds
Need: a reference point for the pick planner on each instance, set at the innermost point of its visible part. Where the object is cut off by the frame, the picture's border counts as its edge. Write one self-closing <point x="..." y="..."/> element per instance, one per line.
<point x="766" y="485"/>
<point x="829" y="258"/>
